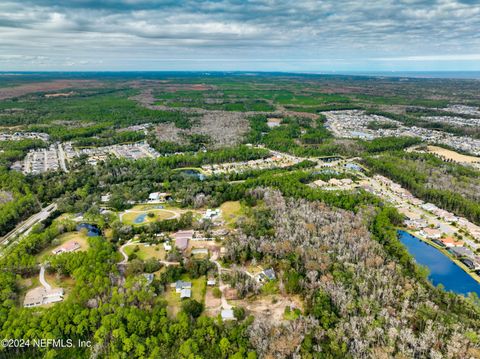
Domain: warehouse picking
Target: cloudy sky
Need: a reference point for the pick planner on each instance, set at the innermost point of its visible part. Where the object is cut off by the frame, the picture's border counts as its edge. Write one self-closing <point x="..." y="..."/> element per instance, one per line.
<point x="268" y="35"/>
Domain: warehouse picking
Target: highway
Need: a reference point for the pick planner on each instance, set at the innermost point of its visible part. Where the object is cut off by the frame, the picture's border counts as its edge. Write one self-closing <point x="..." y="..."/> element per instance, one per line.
<point x="25" y="226"/>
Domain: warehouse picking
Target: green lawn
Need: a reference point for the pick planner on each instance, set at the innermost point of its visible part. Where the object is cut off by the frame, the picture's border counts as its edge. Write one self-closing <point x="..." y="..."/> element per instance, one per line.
<point x="231" y="210"/>
<point x="79" y="237"/>
<point x="144" y="253"/>
<point x="199" y="288"/>
<point x="128" y="217"/>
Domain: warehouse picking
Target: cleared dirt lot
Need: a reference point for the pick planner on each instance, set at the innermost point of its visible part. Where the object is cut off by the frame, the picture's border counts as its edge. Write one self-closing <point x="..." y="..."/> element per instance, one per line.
<point x="452" y="155"/>
<point x="224" y="128"/>
<point x="48" y="86"/>
<point x="212" y="305"/>
<point x="270" y="307"/>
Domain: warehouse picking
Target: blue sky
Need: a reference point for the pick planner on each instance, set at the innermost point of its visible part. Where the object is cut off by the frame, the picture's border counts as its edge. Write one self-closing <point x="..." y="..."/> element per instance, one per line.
<point x="229" y="35"/>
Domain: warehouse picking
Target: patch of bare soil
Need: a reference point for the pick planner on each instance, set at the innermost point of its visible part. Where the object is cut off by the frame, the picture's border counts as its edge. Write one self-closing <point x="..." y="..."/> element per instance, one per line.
<point x="271" y="307"/>
<point x="225" y="128"/>
<point x="222" y="127"/>
<point x="5" y="197"/>
<point x="212" y="305"/>
<point x="168" y="132"/>
<point x="168" y="86"/>
<point x="56" y="85"/>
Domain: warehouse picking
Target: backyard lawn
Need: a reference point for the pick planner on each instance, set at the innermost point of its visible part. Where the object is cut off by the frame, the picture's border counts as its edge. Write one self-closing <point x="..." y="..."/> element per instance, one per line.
<point x="199" y="287"/>
<point x="141" y="214"/>
<point x="143" y="253"/>
<point x="76" y="236"/>
<point x="231" y="210"/>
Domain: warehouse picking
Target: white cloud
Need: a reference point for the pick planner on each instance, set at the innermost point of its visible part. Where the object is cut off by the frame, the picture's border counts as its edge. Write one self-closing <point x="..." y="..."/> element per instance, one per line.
<point x="121" y="32"/>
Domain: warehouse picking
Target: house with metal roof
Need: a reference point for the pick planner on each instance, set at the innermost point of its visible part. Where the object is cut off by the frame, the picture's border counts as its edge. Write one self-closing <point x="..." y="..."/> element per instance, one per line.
<point x="179" y="285"/>
<point x="462" y="252"/>
<point x="185" y="293"/>
<point x="227" y="314"/>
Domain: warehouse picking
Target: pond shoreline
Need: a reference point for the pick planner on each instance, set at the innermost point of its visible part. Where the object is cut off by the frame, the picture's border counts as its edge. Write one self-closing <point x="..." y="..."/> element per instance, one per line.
<point x="439" y="273"/>
<point x="445" y="252"/>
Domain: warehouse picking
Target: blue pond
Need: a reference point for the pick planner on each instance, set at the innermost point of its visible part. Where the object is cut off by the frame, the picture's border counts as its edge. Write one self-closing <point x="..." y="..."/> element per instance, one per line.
<point x="442" y="269"/>
<point x="194" y="173"/>
<point x="92" y="231"/>
<point x="140" y="218"/>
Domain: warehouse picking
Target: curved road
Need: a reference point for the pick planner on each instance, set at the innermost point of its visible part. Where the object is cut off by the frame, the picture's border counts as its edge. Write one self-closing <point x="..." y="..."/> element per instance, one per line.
<point x="174" y="214"/>
<point x="41" y="277"/>
<point x="125" y="255"/>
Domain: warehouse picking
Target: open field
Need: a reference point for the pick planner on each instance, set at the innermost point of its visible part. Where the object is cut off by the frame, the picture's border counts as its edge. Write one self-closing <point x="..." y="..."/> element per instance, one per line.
<point x="231" y="210"/>
<point x="48" y="86"/>
<point x="144" y="252"/>
<point x="212" y="304"/>
<point x="452" y="155"/>
<point x="63" y="239"/>
<point x="268" y="307"/>
<point x="139" y="215"/>
<point x="199" y="286"/>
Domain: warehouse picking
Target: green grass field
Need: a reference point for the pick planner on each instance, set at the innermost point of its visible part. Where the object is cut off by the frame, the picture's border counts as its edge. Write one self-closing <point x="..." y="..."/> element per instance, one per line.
<point x="231" y="210"/>
<point x="199" y="288"/>
<point x="144" y="253"/>
<point x="76" y="236"/>
<point x="130" y="216"/>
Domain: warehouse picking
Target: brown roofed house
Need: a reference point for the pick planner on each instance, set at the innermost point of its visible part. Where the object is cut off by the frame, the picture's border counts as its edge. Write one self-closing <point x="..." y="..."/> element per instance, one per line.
<point x="182" y="238"/>
<point x="451" y="242"/>
<point x="66" y="248"/>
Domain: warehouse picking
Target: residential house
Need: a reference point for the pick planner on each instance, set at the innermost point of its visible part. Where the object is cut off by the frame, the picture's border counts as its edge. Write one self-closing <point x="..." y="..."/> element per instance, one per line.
<point x="211" y="213"/>
<point x="450" y="218"/>
<point x="159" y="197"/>
<point x="462" y="252"/>
<point x="431" y="233"/>
<point x="451" y="242"/>
<point x="66" y="248"/>
<point x="182" y="238"/>
<point x="180" y="285"/>
<point x="227" y="314"/>
<point x="149" y="277"/>
<point x="185" y="293"/>
<point x="429" y="207"/>
<point x="202" y="251"/>
<point x="266" y="275"/>
<point x="40" y="295"/>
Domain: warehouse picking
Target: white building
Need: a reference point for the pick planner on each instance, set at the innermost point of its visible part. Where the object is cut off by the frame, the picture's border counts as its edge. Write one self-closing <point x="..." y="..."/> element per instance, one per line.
<point x="227" y="314"/>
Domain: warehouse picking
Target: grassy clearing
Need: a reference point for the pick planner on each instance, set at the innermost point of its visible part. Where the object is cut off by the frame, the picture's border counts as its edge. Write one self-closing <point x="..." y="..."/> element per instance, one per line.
<point x="231" y="210"/>
<point x="63" y="239"/>
<point x="199" y="288"/>
<point x="173" y="302"/>
<point x="129" y="217"/>
<point x="452" y="155"/>
<point x="144" y="253"/>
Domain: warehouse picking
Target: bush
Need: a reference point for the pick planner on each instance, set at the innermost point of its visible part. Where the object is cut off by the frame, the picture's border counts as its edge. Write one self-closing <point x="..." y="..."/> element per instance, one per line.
<point x="239" y="313"/>
<point x="152" y="265"/>
<point x="192" y="308"/>
<point x="217" y="293"/>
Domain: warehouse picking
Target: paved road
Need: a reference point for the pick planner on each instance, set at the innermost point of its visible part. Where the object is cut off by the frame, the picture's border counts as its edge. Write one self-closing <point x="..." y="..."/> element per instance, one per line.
<point x="173" y="216"/>
<point x="125" y="256"/>
<point x="221" y="285"/>
<point x="25" y="226"/>
<point x="61" y="158"/>
<point x="41" y="277"/>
